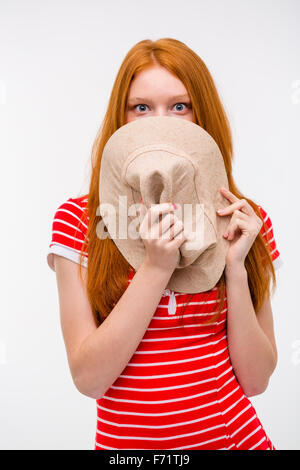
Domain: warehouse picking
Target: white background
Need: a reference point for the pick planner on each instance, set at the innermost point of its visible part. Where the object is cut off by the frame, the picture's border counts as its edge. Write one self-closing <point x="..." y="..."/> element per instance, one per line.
<point x="58" y="62"/>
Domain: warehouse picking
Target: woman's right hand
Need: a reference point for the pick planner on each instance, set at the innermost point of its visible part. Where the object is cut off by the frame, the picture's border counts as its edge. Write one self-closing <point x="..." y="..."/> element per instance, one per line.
<point x="162" y="234"/>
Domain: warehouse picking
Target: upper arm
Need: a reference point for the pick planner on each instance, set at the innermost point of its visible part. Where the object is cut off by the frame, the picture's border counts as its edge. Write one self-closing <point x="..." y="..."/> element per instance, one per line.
<point x="265" y="319"/>
<point x="69" y="229"/>
<point x="76" y="317"/>
<point x="264" y="314"/>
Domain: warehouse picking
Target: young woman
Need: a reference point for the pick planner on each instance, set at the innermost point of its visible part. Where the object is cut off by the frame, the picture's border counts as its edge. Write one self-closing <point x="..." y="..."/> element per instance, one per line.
<point x="167" y="370"/>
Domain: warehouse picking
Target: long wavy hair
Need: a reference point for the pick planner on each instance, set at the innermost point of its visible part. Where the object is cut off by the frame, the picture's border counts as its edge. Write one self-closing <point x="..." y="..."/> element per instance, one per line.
<point x="108" y="270"/>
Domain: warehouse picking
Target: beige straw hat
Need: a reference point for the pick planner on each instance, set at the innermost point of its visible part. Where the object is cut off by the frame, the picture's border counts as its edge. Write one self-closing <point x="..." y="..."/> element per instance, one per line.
<point x="167" y="159"/>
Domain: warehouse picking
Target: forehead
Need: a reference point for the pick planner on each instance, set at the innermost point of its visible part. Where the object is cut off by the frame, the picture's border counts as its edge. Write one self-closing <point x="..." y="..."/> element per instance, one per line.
<point x="156" y="82"/>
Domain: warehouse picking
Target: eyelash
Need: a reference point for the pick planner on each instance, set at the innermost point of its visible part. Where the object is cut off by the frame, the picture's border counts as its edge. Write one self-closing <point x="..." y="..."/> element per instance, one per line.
<point x="188" y="105"/>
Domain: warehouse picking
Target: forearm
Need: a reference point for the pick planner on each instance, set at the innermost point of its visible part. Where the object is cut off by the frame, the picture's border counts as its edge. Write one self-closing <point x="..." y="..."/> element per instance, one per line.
<point x="250" y="350"/>
<point x="106" y="352"/>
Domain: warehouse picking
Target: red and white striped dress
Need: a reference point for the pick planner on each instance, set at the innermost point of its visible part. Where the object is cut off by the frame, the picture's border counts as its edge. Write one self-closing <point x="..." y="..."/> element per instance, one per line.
<point x="179" y="390"/>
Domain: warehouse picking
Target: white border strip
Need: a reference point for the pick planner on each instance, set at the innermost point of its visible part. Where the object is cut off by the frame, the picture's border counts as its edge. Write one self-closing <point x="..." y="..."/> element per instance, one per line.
<point x="66" y="253"/>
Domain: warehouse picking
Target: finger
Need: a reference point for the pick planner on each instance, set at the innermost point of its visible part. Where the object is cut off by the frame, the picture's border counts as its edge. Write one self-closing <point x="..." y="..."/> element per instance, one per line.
<point x="231" y="229"/>
<point x="159" y="228"/>
<point x="233" y="198"/>
<point x="159" y="215"/>
<point x="241" y="215"/>
<point x="228" y="194"/>
<point x="167" y="221"/>
<point x="175" y="231"/>
<point x="178" y="239"/>
<point x="236" y="215"/>
<point x="151" y="217"/>
<point x="241" y="204"/>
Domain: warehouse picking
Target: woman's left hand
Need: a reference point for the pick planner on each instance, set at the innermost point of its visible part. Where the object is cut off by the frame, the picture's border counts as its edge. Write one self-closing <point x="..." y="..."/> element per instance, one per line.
<point x="242" y="229"/>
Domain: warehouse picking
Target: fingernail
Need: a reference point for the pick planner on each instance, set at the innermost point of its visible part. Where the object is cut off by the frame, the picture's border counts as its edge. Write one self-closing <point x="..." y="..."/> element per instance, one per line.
<point x="141" y="201"/>
<point x="174" y="205"/>
<point x="220" y="211"/>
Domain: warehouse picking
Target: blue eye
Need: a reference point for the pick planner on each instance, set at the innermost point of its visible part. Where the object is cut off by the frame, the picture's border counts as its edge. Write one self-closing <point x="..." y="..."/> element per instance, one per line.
<point x="139" y="105"/>
<point x="180" y="104"/>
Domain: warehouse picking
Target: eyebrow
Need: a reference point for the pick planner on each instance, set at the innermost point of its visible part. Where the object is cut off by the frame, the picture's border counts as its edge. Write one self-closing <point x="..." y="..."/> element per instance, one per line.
<point x="177" y="97"/>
